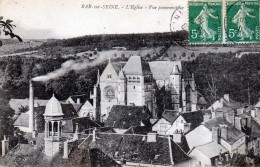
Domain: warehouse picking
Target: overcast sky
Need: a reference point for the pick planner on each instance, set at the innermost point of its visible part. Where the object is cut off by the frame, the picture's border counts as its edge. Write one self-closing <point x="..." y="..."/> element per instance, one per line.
<point x="41" y="19"/>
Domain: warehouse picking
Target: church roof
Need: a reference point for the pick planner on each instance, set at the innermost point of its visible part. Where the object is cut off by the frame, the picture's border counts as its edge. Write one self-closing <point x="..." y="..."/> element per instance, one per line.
<point x="125" y="117"/>
<point x="133" y="66"/>
<point x="53" y="108"/>
<point x="161" y="70"/>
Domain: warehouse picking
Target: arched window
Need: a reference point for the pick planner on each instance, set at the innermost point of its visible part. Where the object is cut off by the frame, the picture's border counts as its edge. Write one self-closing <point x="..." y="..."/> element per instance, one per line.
<point x="55" y="128"/>
<point x="188" y="91"/>
<point x="129" y="77"/>
<point x="133" y="77"/>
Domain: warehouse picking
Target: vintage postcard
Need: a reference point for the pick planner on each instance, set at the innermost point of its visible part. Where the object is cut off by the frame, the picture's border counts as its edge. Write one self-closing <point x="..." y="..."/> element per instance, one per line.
<point x="127" y="83"/>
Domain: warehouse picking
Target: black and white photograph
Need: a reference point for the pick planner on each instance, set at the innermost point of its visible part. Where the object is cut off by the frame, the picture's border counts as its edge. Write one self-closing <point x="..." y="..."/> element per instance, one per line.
<point x="126" y="83"/>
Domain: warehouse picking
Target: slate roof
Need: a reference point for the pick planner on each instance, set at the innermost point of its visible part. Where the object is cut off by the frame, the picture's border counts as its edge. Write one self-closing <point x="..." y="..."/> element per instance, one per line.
<point x="22" y="120"/>
<point x="136" y="149"/>
<point x="125" y="117"/>
<point x="170" y="115"/>
<point x="233" y="133"/>
<point x="15" y="104"/>
<point x="195" y="117"/>
<point x="134" y="61"/>
<point x="161" y="70"/>
<point x="211" y="149"/>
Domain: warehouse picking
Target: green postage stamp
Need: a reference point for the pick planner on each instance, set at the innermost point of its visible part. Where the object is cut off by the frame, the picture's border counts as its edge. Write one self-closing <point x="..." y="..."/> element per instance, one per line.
<point x="228" y="21"/>
<point x="242" y="21"/>
<point x="205" y="22"/>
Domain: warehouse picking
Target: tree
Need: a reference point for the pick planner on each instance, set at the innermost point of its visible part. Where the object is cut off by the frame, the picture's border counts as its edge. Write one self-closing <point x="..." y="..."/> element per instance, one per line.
<point x="7" y="28"/>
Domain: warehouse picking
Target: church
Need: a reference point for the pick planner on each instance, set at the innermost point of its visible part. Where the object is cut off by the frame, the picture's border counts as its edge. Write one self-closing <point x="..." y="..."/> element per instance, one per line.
<point x="135" y="82"/>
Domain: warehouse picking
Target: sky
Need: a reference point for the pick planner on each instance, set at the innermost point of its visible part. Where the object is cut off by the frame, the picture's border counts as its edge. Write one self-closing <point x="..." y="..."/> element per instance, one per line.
<point x="43" y="19"/>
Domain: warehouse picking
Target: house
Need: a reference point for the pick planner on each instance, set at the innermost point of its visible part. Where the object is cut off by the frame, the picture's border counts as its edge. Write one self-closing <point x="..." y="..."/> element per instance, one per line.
<point x="173" y="122"/>
<point x="187" y="121"/>
<point x="225" y="101"/>
<point x="87" y="110"/>
<point x="123" y="117"/>
<point x="163" y="124"/>
<point x="208" y="154"/>
<point x="220" y="130"/>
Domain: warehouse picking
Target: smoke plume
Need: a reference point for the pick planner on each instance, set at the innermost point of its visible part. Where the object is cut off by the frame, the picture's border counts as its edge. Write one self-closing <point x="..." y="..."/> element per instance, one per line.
<point x="66" y="67"/>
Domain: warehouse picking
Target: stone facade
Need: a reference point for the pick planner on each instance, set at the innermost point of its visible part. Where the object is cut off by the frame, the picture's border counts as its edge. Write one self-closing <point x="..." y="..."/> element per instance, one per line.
<point x="134" y="84"/>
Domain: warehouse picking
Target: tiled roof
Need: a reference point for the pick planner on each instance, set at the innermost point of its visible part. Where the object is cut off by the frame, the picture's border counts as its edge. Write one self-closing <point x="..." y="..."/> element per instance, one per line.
<point x="15" y="104"/>
<point x="125" y="117"/>
<point x="211" y="149"/>
<point x="170" y="115"/>
<point x="134" y="61"/>
<point x="161" y="70"/>
<point x="135" y="148"/>
<point x="233" y="133"/>
<point x="195" y="117"/>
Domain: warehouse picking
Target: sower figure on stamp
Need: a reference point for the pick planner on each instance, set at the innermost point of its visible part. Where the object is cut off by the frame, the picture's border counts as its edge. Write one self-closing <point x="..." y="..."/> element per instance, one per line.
<point x="239" y="19"/>
<point x="202" y="20"/>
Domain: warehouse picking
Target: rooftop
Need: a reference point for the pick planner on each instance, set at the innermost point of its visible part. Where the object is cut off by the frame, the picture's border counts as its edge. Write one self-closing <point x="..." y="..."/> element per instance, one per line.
<point x="233" y="133"/>
<point x="161" y="70"/>
<point x="211" y="149"/>
<point x="135" y="148"/>
<point x="124" y="117"/>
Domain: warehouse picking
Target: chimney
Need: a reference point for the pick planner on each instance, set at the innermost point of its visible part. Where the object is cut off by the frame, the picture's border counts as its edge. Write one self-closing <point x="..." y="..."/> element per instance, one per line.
<point x="31" y="105"/>
<point x="226" y="97"/>
<point x="66" y="150"/>
<point x="151" y="137"/>
<point x="223" y="131"/>
<point x="5" y="146"/>
<point x="238" y="123"/>
<point x="78" y="100"/>
<point x="215" y="134"/>
<point x="94" y="135"/>
<point x="232" y="119"/>
<point x="253" y="113"/>
<point x="206" y="117"/>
